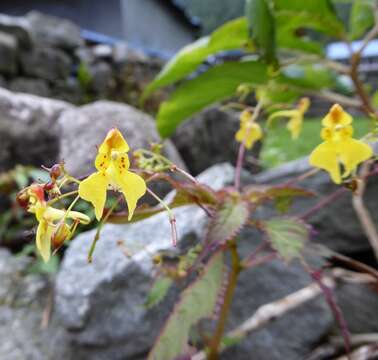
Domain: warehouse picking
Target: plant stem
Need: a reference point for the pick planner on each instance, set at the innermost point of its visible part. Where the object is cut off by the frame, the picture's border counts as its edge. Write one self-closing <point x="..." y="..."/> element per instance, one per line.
<point x="53" y="201"/>
<point x="322" y="203"/>
<point x="171" y="215"/>
<point x="225" y="309"/>
<point x="101" y="224"/>
<point x="241" y="153"/>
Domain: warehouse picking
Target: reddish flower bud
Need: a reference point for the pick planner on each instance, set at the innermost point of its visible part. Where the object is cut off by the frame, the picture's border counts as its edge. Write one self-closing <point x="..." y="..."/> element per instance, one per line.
<point x="60" y="235"/>
<point x="55" y="171"/>
<point x="22" y="198"/>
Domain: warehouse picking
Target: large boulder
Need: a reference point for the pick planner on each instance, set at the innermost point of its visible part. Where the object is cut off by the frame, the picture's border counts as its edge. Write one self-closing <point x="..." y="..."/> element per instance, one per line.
<point x="85" y="127"/>
<point x="33" y="86"/>
<point x="24" y="303"/>
<point x="209" y="138"/>
<point x="29" y="130"/>
<point x="336" y="225"/>
<point x="55" y="32"/>
<point x="19" y="27"/>
<point x="101" y="304"/>
<point x="46" y="63"/>
<point x="8" y="53"/>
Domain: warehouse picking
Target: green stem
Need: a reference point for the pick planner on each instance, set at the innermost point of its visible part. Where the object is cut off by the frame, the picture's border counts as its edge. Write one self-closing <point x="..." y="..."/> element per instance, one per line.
<point x="99" y="228"/>
<point x="224" y="312"/>
<point x="53" y="201"/>
<point x="172" y="218"/>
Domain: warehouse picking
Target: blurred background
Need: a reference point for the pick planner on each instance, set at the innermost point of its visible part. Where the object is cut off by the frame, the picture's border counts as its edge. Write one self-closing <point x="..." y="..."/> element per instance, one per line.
<point x="72" y="69"/>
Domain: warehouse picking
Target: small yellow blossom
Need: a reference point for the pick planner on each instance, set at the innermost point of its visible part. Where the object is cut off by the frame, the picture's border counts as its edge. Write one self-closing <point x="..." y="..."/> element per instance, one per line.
<point x="295" y="116"/>
<point x="249" y="131"/>
<point x="50" y="220"/>
<point x="339" y="147"/>
<point x="112" y="163"/>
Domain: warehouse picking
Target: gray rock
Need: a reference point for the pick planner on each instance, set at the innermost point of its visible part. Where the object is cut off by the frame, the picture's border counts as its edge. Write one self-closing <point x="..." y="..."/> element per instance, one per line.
<point x="209" y="138"/>
<point x="38" y="87"/>
<point x="19" y="27"/>
<point x="101" y="78"/>
<point x="23" y="299"/>
<point x="85" y="127"/>
<point x="68" y="90"/>
<point x="336" y="225"/>
<point x="359" y="304"/>
<point x="55" y="32"/>
<point x="100" y="304"/>
<point x="46" y="63"/>
<point x="8" y="53"/>
<point x="29" y="131"/>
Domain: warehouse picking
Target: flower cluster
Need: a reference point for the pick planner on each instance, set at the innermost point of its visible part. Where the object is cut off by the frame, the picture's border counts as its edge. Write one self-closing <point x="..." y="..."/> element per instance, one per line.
<point x="53" y="228"/>
<point x="338" y="147"/>
<point x="295" y="116"/>
<point x="250" y="131"/>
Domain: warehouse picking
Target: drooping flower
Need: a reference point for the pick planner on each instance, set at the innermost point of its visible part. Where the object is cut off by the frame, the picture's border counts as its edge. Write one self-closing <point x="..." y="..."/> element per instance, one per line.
<point x="112" y="163"/>
<point x="249" y="131"/>
<point x="295" y="116"/>
<point x="51" y="221"/>
<point x="339" y="148"/>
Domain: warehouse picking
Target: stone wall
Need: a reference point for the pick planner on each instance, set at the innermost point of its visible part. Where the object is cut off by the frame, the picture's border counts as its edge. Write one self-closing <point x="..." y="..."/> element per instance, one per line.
<point x="46" y="56"/>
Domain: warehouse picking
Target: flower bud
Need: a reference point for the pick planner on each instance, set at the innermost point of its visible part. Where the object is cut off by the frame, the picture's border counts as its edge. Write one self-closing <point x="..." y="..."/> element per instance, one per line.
<point x="22" y="198"/>
<point x="55" y="171"/>
<point x="60" y="235"/>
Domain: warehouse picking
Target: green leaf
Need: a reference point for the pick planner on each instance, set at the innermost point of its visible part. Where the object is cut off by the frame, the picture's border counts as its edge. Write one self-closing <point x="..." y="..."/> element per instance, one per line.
<point x="216" y="84"/>
<point x="361" y="18"/>
<point x="230" y="36"/>
<point x="287" y="236"/>
<point x="283" y="196"/>
<point x="262" y="28"/>
<point x="315" y="77"/>
<point x="196" y="302"/>
<point x="230" y="217"/>
<point x="317" y="15"/>
<point x="158" y="291"/>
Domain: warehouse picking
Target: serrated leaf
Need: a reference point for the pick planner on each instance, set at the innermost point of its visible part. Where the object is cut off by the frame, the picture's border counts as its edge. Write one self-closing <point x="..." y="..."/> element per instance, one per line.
<point x="158" y="291"/>
<point x="230" y="36"/>
<point x="216" y="84"/>
<point x="229" y="218"/>
<point x="287" y="236"/>
<point x="283" y="196"/>
<point x="186" y="194"/>
<point x="262" y="28"/>
<point x="361" y="18"/>
<point x="196" y="302"/>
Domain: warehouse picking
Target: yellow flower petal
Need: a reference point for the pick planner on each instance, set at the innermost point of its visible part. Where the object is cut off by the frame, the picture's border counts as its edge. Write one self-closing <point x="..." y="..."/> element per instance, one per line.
<point x="352" y="153"/>
<point x="249" y="134"/>
<point x="43" y="239"/>
<point x="295" y="126"/>
<point x="93" y="189"/>
<point x="337" y="116"/>
<point x="114" y="141"/>
<point x="133" y="187"/>
<point x="102" y="161"/>
<point x="78" y="216"/>
<point x="325" y="156"/>
<point x="304" y="104"/>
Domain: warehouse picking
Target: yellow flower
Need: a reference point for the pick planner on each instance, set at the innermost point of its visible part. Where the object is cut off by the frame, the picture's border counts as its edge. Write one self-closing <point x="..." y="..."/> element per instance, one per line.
<point x="339" y="147"/>
<point x="112" y="163"/>
<point x="50" y="220"/>
<point x="249" y="131"/>
<point x="295" y="117"/>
